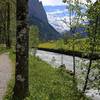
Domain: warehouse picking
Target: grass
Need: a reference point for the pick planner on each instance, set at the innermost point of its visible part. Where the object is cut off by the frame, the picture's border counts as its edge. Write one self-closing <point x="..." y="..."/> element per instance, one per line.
<point x="81" y="45"/>
<point x="46" y="82"/>
<point x="2" y="48"/>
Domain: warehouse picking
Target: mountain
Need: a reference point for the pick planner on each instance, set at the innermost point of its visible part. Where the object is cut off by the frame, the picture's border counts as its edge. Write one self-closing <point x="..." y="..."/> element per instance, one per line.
<point x="37" y="16"/>
<point x="75" y="30"/>
<point x="58" y="24"/>
<point x="58" y="17"/>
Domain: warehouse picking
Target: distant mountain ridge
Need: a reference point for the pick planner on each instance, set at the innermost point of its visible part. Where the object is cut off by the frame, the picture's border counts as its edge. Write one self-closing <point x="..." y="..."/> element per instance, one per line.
<point x="37" y="16"/>
<point x="53" y="8"/>
<point x="58" y="17"/>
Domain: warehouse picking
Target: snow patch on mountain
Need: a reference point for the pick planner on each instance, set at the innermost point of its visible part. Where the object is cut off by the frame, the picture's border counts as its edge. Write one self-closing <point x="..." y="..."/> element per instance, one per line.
<point x="58" y="17"/>
<point x="58" y="23"/>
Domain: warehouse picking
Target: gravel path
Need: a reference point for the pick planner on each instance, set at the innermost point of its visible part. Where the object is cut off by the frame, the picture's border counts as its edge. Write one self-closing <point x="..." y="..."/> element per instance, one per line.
<point x="5" y="73"/>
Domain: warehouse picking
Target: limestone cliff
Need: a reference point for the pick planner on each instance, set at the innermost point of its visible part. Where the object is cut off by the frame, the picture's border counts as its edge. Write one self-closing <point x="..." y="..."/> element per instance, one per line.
<point x="37" y="16"/>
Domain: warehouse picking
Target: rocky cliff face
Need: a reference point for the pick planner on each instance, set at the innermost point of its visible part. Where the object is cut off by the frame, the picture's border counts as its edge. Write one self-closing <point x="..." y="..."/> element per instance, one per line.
<point x="37" y="16"/>
<point x="36" y="9"/>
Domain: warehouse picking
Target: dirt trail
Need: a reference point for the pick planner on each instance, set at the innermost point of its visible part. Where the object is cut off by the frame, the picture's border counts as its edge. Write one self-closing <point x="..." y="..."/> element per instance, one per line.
<point x="5" y="73"/>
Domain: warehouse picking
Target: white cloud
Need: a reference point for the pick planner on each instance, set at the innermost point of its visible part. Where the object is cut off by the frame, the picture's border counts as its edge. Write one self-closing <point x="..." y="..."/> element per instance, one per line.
<point x="84" y="1"/>
<point x="58" y="2"/>
<point x="58" y="24"/>
<point x="52" y="2"/>
<point x="57" y="12"/>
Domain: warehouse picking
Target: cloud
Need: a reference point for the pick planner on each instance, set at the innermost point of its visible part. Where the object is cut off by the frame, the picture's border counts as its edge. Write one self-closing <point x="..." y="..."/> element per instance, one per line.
<point x="52" y="2"/>
<point x="58" y="2"/>
<point x="58" y="22"/>
<point x="58" y="12"/>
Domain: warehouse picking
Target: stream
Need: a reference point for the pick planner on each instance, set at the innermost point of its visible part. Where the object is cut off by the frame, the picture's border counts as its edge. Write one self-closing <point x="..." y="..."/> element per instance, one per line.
<point x="55" y="60"/>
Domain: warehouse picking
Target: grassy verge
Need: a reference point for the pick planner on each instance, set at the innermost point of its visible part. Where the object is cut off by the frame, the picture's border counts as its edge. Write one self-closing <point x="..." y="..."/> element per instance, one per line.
<point x="47" y="83"/>
<point x="3" y="49"/>
<point x="80" y="45"/>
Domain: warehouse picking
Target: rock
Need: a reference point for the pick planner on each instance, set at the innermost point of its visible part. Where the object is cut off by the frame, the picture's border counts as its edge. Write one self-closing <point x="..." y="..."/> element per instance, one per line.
<point x="37" y="16"/>
<point x="36" y="9"/>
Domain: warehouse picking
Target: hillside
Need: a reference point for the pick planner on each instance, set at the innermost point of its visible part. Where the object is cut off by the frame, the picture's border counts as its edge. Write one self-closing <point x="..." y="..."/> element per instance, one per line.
<point x="37" y="16"/>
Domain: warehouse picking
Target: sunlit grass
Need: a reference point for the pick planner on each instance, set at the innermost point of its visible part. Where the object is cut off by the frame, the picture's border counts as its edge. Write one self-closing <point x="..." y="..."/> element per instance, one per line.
<point x="80" y="45"/>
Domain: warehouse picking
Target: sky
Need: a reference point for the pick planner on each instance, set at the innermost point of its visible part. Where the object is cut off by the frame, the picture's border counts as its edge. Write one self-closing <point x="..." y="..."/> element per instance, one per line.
<point x="55" y="2"/>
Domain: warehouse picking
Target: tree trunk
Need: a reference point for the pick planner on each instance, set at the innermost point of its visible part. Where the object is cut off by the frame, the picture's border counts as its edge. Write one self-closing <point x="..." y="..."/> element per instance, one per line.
<point x="74" y="69"/>
<point x="8" y="26"/>
<point x="62" y="58"/>
<point x="21" y="89"/>
<point x="87" y="77"/>
<point x="5" y="27"/>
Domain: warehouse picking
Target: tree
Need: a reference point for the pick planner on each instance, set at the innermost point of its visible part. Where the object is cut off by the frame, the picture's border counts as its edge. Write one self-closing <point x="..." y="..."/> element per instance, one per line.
<point x="6" y="18"/>
<point x="21" y="88"/>
<point x="2" y="23"/>
<point x="74" y="8"/>
<point x="94" y="33"/>
<point x="60" y="44"/>
<point x="8" y="25"/>
<point x="34" y="38"/>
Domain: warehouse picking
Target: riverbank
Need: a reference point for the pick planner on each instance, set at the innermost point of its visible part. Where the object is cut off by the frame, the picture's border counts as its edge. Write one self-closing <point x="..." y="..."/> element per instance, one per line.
<point x="80" y="54"/>
<point x="48" y="83"/>
<point x="81" y="47"/>
<point x="55" y="60"/>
